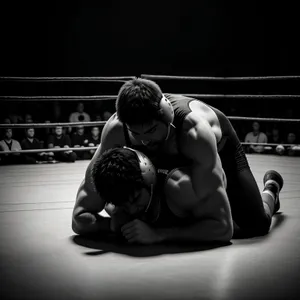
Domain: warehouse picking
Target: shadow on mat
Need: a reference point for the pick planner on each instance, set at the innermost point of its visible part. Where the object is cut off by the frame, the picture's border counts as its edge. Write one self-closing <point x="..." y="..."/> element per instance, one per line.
<point x="277" y="220"/>
<point x="112" y="244"/>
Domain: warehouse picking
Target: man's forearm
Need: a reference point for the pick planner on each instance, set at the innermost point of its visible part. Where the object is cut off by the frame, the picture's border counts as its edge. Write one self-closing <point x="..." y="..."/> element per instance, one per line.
<point x="88" y="223"/>
<point x="204" y="231"/>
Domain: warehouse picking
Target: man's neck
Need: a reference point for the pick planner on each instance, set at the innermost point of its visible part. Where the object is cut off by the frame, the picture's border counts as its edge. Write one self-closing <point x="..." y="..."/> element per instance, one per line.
<point x="8" y="140"/>
<point x="30" y="139"/>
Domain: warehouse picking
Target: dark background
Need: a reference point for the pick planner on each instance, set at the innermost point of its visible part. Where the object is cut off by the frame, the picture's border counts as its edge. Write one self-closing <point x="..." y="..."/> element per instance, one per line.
<point x="110" y="38"/>
<point x="129" y="38"/>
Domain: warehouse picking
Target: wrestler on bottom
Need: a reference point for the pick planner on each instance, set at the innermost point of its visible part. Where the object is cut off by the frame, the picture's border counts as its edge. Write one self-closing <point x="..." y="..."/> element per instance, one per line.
<point x="151" y="206"/>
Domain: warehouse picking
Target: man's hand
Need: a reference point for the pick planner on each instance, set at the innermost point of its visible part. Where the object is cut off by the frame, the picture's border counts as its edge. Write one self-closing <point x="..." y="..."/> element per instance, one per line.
<point x="138" y="231"/>
<point x="118" y="217"/>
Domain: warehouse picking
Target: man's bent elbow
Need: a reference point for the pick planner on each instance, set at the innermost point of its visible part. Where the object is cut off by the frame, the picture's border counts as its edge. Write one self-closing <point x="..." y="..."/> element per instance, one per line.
<point x="87" y="224"/>
<point x="226" y="237"/>
<point x="77" y="228"/>
<point x="81" y="223"/>
<point x="227" y="234"/>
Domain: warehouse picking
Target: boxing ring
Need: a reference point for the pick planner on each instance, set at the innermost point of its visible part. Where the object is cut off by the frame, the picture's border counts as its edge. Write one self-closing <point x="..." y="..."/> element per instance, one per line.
<point x="41" y="257"/>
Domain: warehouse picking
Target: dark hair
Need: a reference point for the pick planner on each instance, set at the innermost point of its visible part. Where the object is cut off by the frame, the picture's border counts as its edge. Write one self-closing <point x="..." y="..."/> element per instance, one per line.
<point x="138" y="102"/>
<point x="117" y="175"/>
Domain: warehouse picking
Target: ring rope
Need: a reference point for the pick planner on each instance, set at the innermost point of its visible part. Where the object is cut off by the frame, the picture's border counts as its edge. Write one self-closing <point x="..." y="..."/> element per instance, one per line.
<point x="148" y="76"/>
<point x="267" y="144"/>
<point x="95" y="148"/>
<point x="102" y="123"/>
<point x="114" y="97"/>
<point x="54" y="79"/>
<point x="49" y="125"/>
<point x="263" y="119"/>
<point x="226" y="96"/>
<point x="258" y="78"/>
<point x="50" y="150"/>
<point x="61" y="98"/>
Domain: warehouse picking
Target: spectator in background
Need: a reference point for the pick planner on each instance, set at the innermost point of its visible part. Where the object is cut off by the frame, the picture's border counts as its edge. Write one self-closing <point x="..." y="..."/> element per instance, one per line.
<point x="6" y="120"/>
<point x="28" y="118"/>
<point x="30" y="142"/>
<point x="294" y="149"/>
<point x="106" y="115"/>
<point x="79" y="115"/>
<point x="79" y="139"/>
<point x="94" y="140"/>
<point x="102" y="116"/>
<point x="275" y="138"/>
<point x="255" y="136"/>
<point x="10" y="144"/>
<point x="15" y="118"/>
<point x="98" y="117"/>
<point x="61" y="140"/>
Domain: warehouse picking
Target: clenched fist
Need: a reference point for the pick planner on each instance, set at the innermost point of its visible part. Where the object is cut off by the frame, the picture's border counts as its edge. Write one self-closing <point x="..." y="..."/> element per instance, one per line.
<point x="140" y="232"/>
<point x="118" y="218"/>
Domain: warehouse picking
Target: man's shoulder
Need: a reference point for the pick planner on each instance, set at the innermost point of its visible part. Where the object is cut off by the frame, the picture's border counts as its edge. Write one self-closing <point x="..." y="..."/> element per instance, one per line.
<point x="113" y="129"/>
<point x="114" y="122"/>
<point x="16" y="141"/>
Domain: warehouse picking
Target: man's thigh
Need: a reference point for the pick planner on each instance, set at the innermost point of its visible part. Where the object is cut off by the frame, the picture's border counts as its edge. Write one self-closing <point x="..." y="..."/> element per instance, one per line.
<point x="245" y="200"/>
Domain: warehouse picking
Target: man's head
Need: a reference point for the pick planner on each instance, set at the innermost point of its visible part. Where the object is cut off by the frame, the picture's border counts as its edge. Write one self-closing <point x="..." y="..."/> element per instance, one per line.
<point x="58" y="130"/>
<point x="28" y="118"/>
<point x="145" y="111"/>
<point x="8" y="134"/>
<point x="255" y="126"/>
<point x="125" y="178"/>
<point x="29" y="133"/>
<point x="95" y="131"/>
<point x="291" y="138"/>
<point x="80" y="130"/>
<point x="275" y="132"/>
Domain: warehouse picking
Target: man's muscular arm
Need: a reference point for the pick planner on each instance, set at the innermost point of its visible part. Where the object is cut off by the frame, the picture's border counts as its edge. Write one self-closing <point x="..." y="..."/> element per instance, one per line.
<point x="210" y="217"/>
<point x="203" y="191"/>
<point x="86" y="218"/>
